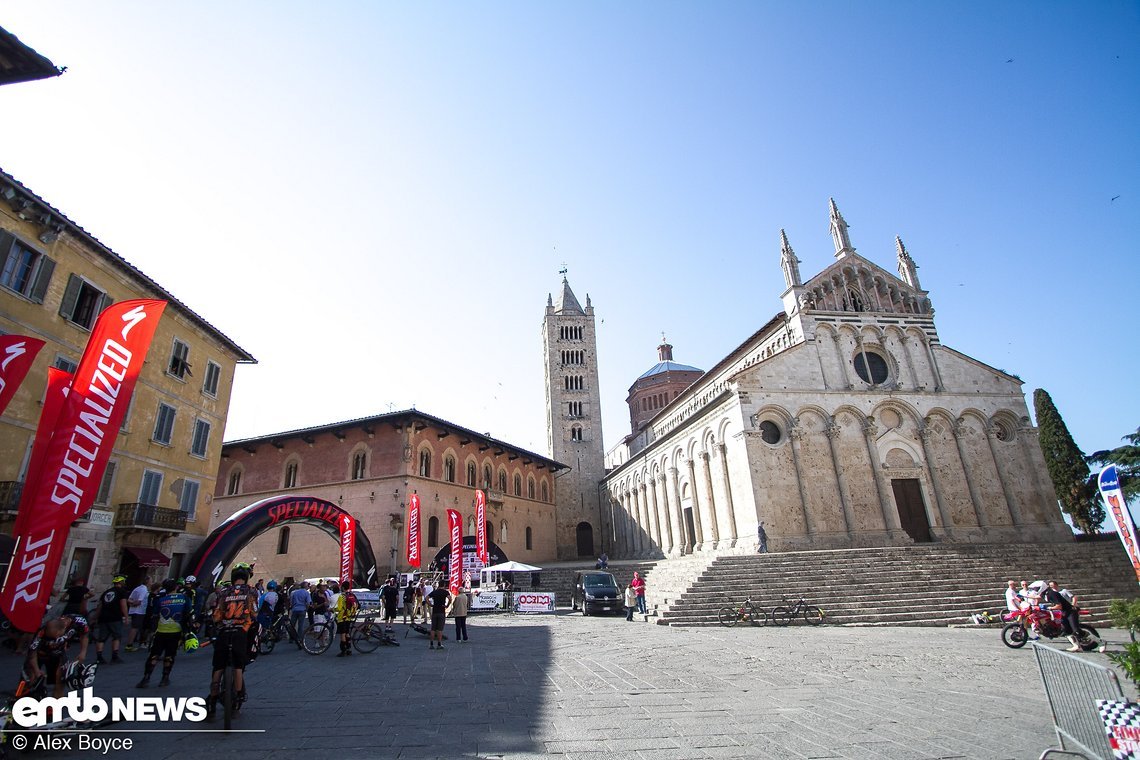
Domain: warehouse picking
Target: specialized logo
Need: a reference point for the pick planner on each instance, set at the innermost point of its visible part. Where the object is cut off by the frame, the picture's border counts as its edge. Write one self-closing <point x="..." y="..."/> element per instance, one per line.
<point x="84" y="706"/>
<point x="347" y="542"/>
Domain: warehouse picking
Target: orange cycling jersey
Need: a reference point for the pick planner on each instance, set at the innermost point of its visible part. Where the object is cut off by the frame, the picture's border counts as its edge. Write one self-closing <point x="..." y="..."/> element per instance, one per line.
<point x="237" y="608"/>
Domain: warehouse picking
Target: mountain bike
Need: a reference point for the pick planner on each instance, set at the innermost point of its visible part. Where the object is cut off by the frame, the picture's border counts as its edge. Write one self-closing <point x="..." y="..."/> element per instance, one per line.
<point x="783" y="615"/>
<point x="319" y="636"/>
<point x="746" y="611"/>
<point x="281" y="629"/>
<point x="368" y="634"/>
<point x="230" y="698"/>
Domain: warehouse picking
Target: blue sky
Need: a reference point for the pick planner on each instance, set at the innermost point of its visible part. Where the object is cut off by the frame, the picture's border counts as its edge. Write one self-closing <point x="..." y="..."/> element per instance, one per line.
<point x="375" y="198"/>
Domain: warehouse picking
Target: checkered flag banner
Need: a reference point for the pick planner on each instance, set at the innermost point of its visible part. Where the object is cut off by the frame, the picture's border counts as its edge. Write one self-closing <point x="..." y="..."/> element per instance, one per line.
<point x="1122" y="724"/>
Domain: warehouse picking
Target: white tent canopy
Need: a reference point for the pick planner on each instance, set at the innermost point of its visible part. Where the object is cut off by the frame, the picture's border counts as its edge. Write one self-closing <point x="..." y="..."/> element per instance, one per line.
<point x="512" y="567"/>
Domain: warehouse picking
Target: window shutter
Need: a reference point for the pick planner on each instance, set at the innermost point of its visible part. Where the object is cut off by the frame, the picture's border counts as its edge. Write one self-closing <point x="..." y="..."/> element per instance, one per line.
<point x="70" y="297"/>
<point x="6" y="241"/>
<point x="44" y="269"/>
<point x="105" y="487"/>
<point x="105" y="300"/>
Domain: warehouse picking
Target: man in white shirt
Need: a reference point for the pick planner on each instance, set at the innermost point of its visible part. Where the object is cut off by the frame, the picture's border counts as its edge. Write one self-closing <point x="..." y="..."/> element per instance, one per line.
<point x="136" y="608"/>
<point x="1012" y="600"/>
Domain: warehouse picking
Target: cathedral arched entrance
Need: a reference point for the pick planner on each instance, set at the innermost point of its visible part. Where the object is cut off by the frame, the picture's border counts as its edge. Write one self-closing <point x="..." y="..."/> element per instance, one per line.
<point x="585" y="536"/>
<point x="912" y="508"/>
<point x="212" y="558"/>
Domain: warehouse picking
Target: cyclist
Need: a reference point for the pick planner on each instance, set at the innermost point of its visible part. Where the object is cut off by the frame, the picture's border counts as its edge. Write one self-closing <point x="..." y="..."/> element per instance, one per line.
<point x="48" y="651"/>
<point x="346" y="607"/>
<point x="173" y="620"/>
<point x="236" y="634"/>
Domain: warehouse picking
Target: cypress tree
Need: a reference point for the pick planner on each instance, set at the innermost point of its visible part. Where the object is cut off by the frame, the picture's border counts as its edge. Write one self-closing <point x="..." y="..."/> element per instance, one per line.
<point x="1067" y="466"/>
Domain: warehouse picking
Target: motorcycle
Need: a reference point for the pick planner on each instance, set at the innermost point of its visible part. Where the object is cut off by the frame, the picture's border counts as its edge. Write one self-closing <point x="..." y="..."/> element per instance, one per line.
<point x="1016" y="633"/>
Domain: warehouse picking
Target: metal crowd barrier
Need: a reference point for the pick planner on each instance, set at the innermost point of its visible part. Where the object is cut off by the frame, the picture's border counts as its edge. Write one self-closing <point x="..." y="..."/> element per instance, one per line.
<point x="1073" y="684"/>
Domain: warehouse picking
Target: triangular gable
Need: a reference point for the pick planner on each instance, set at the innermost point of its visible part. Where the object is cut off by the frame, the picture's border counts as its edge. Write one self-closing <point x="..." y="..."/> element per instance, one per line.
<point x="854" y="264"/>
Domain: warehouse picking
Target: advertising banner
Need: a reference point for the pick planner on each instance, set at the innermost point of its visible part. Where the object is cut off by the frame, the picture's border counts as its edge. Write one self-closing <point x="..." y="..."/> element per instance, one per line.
<point x="1122" y="724"/>
<point x="347" y="547"/>
<point x="58" y="383"/>
<point x="487" y="601"/>
<point x="481" y="525"/>
<point x="414" y="531"/>
<point x="77" y="454"/>
<point x="17" y="352"/>
<point x="455" y="559"/>
<point x="534" y="601"/>
<point x="1118" y="509"/>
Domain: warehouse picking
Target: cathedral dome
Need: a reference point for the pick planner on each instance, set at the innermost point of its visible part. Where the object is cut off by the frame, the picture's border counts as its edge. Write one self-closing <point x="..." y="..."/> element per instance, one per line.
<point x="656" y="388"/>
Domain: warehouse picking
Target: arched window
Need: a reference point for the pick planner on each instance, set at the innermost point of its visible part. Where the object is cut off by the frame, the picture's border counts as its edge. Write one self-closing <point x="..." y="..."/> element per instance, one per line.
<point x="576" y="433"/>
<point x="486" y="476"/>
<point x="545" y="492"/>
<point x="359" y="465"/>
<point x="471" y="474"/>
<point x="518" y="484"/>
<point x="290" y="478"/>
<point x="503" y="481"/>
<point x="530" y="487"/>
<point x="283" y="541"/>
<point x="490" y="530"/>
<point x="234" y="486"/>
<point x="585" y="539"/>
<point x="425" y="464"/>
<point x="471" y="526"/>
<point x="529" y="538"/>
<point x="503" y="533"/>
<point x="449" y="469"/>
<point x="433" y="531"/>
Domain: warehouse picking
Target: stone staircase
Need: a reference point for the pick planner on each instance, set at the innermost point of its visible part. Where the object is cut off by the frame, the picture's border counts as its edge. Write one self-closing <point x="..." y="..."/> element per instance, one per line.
<point x="926" y="585"/>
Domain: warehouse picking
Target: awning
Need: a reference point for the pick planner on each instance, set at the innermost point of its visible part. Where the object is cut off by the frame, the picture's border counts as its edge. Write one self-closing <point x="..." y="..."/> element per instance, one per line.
<point x="148" y="557"/>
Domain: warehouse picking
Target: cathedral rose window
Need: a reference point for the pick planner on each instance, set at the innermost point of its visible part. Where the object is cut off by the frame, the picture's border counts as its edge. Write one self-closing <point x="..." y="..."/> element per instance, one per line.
<point x="770" y="432"/>
<point x="871" y="367"/>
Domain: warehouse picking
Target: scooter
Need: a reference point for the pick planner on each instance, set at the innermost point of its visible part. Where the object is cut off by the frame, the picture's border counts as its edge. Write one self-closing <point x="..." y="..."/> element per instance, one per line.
<point x="1048" y="623"/>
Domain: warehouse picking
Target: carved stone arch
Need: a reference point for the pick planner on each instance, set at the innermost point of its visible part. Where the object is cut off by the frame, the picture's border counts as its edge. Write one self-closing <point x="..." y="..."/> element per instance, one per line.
<point x="894" y="331"/>
<point x="822" y="328"/>
<point x="941" y="417"/>
<point x="692" y="448"/>
<point x="917" y="334"/>
<point x="432" y="463"/>
<point x="724" y="428"/>
<point x="676" y="457"/>
<point x="905" y="412"/>
<point x="847" y="331"/>
<point x="708" y="440"/>
<point x="1005" y="425"/>
<point x="813" y="418"/>
<point x="860" y="417"/>
<point x="893" y="441"/>
<point x="654" y="470"/>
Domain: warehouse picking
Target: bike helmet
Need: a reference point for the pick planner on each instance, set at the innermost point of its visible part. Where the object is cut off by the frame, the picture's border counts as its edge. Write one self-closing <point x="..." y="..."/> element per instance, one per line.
<point x="191" y="579"/>
<point x="78" y="676"/>
<point x="241" y="570"/>
<point x="190" y="644"/>
<point x="272" y="585"/>
<point x="119" y="579"/>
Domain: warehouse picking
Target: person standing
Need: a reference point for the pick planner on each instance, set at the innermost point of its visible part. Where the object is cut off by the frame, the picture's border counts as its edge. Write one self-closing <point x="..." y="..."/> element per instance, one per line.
<point x="761" y="539"/>
<point x="75" y="598"/>
<point x="299" y="601"/>
<point x="346" y="607"/>
<point x="110" y="615"/>
<point x="390" y="598"/>
<point x="136" y="609"/>
<point x="175" y="613"/>
<point x="630" y="603"/>
<point x="409" y="602"/>
<point x="638" y="584"/>
<point x="459" y="612"/>
<point x="439" y="599"/>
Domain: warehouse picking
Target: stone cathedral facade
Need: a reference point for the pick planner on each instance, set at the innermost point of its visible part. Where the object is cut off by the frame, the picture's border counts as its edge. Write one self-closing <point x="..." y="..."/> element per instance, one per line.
<point x="842" y="422"/>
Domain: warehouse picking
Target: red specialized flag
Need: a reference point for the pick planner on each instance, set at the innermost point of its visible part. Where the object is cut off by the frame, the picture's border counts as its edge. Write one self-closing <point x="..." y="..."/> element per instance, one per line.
<point x="58" y="384"/>
<point x="16" y="355"/>
<point x="78" y="452"/>
<point x="481" y="526"/>
<point x="455" y="561"/>
<point x="347" y="525"/>
<point x="414" y="531"/>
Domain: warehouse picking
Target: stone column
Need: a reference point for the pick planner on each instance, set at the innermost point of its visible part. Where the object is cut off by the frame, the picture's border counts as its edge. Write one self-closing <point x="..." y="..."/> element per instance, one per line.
<point x="649" y="517"/>
<point x="707" y="498"/>
<point x="833" y="431"/>
<point x="842" y="361"/>
<point x="943" y="514"/>
<point x="632" y="532"/>
<point x="722" y="450"/>
<point x="933" y="366"/>
<point x="674" y="496"/>
<point x="638" y="510"/>
<point x="697" y="524"/>
<point x="660" y="508"/>
<point x="890" y="514"/>
<point x="1010" y="500"/>
<point x="795" y="432"/>
<point x="960" y="432"/>
<point x="909" y="361"/>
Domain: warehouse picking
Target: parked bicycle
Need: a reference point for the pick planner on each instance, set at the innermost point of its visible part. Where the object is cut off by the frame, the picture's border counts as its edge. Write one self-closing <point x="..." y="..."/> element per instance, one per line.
<point x="367" y="634"/>
<point x="281" y="629"/>
<point x="319" y="636"/>
<point x="783" y="615"/>
<point x="745" y="611"/>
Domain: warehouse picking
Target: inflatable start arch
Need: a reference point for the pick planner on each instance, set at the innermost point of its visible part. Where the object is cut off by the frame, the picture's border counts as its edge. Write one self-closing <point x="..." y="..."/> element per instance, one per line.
<point x="213" y="558"/>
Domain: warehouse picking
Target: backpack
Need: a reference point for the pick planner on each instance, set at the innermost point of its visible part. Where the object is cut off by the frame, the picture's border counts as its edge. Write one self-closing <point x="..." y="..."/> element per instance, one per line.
<point x="350" y="601"/>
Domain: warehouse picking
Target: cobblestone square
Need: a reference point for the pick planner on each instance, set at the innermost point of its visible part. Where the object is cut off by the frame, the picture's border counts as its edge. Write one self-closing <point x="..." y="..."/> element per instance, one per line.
<point x="578" y="688"/>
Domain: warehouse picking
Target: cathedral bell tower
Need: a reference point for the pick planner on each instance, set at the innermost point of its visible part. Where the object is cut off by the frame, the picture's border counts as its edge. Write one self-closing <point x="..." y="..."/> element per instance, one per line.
<point x="574" y="424"/>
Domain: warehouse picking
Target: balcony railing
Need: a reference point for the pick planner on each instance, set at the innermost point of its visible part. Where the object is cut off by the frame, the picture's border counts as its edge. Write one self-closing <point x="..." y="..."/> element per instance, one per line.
<point x="148" y="516"/>
<point x="10" y="491"/>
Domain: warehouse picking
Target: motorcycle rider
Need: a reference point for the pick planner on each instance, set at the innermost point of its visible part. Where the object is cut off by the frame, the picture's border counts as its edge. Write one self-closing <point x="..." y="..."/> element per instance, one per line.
<point x="1070" y="619"/>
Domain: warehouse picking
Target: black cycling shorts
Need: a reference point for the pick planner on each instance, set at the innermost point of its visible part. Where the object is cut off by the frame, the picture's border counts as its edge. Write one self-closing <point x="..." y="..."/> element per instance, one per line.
<point x="231" y="647"/>
<point x="165" y="644"/>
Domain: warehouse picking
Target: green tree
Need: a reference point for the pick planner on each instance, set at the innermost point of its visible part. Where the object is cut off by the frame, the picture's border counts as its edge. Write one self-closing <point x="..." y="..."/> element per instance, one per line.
<point x="1068" y="468"/>
<point x="1127" y="461"/>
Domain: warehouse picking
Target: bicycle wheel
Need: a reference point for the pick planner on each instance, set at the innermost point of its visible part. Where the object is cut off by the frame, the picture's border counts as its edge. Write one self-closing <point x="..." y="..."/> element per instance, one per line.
<point x="748" y="613"/>
<point x="318" y="638"/>
<point x="228" y="696"/>
<point x="367" y="637"/>
<point x="813" y="615"/>
<point x="728" y="616"/>
<point x="781" y="616"/>
<point x="266" y="641"/>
